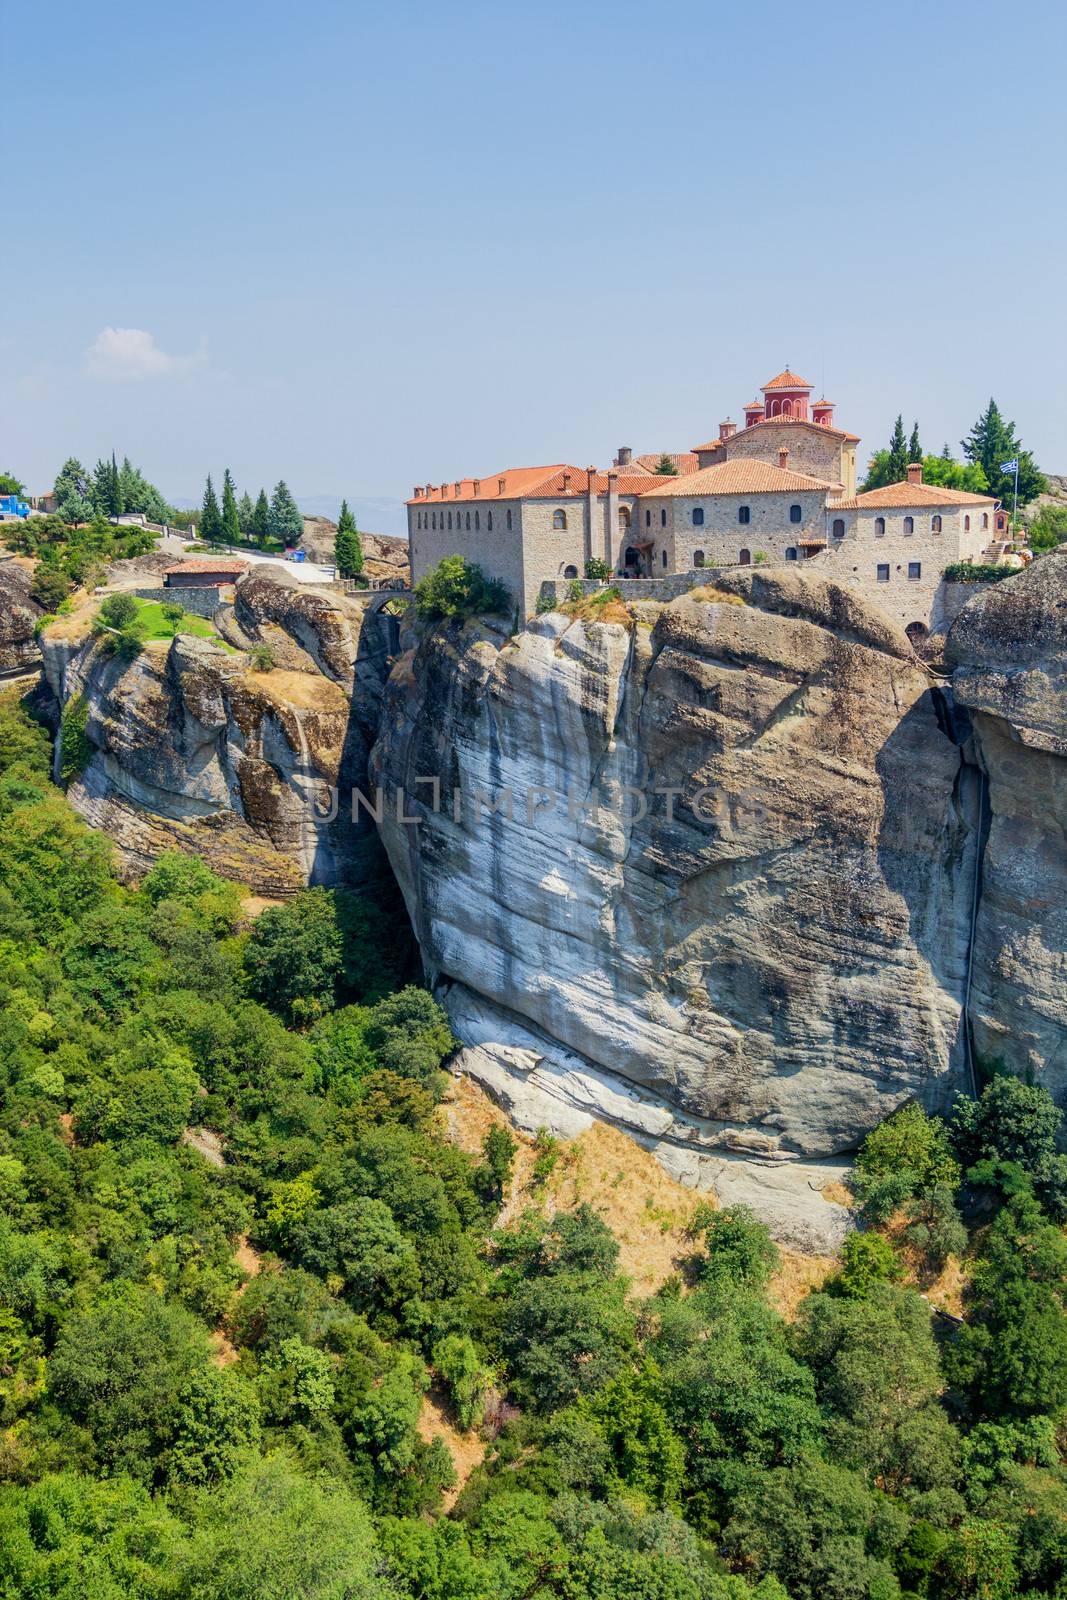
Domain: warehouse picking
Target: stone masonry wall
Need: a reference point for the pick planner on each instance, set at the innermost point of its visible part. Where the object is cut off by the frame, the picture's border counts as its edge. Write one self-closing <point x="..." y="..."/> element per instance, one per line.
<point x="496" y="550"/>
<point x="201" y="602"/>
<point x="811" y="450"/>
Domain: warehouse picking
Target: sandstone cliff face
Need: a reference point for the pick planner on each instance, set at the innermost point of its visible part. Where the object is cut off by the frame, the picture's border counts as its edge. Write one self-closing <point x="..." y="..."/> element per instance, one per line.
<point x="19" y="651"/>
<point x="1008" y="654"/>
<point x="189" y="746"/>
<point x="769" y="971"/>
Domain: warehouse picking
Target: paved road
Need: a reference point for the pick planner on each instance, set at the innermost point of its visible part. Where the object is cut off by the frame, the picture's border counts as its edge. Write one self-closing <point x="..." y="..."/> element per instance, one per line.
<point x="171" y="544"/>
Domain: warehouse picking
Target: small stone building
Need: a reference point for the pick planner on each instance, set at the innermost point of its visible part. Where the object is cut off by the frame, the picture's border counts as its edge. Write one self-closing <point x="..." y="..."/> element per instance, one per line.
<point x="210" y="572"/>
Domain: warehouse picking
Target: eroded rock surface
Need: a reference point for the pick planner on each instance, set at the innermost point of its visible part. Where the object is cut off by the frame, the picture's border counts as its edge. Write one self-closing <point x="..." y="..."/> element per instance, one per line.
<point x="772" y="968"/>
<point x="19" y="613"/>
<point x="1008" y="654"/>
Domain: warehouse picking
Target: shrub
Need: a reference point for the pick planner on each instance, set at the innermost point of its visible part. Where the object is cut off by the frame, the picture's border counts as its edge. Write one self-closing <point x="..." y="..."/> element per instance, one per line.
<point x="976" y="572"/>
<point x="263" y="658"/>
<point x="866" y="1259"/>
<point x="908" y="1154"/>
<point x="457" y="588"/>
<point x="1048" y="528"/>
<point x="575" y="590"/>
<point x="741" y="1251"/>
<point x="49" y="587"/>
<point x="597" y="569"/>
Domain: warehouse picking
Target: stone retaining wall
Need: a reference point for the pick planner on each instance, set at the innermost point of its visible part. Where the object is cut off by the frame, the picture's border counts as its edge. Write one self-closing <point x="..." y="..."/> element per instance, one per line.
<point x="668" y="588"/>
<point x="201" y="602"/>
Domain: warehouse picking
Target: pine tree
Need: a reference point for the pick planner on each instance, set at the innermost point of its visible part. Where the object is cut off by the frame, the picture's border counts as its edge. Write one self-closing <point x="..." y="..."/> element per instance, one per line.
<point x="210" y="515"/>
<point x="915" y="449"/>
<point x="259" y="527"/>
<point x="898" y="453"/>
<point x="231" y="526"/>
<point x="990" y="443"/>
<point x="348" y="546"/>
<point x="286" y="523"/>
<point x="72" y="490"/>
<point x="244" y="515"/>
<point x="665" y="467"/>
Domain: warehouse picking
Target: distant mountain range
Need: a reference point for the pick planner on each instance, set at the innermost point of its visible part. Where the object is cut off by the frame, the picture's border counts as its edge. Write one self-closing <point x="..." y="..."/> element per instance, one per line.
<point x="374" y="514"/>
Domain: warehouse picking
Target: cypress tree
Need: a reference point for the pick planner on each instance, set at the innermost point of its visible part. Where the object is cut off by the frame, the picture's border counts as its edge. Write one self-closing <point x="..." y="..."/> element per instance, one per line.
<point x="231" y="526"/>
<point x="259" y="527"/>
<point x="915" y="449"/>
<point x="898" y="453"/>
<point x="116" y="489"/>
<point x="348" y="546"/>
<point x="210" y="515"/>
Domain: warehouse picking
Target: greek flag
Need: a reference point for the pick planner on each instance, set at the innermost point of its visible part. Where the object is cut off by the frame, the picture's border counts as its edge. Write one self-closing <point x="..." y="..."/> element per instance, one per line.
<point x="1010" y="466"/>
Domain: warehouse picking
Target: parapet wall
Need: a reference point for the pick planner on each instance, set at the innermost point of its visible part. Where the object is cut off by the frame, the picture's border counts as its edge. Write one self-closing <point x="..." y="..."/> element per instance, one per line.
<point x="667" y="588"/>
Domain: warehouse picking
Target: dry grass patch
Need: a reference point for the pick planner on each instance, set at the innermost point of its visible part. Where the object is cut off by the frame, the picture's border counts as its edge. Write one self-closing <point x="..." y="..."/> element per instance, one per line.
<point x="796" y="1277"/>
<point x="714" y="596"/>
<point x="305" y="691"/>
<point x="603" y="605"/>
<point x="467" y="1450"/>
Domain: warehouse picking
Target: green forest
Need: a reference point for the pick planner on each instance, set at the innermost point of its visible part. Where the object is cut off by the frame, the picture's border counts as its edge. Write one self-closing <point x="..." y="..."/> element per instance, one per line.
<point x="186" y="1091"/>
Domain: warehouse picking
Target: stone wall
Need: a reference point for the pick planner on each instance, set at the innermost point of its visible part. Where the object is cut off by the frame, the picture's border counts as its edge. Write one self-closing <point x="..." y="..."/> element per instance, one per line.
<point x="667" y="588"/>
<point x="722" y="536"/>
<point x="201" y="602"/>
<point x="815" y="450"/>
<point x="496" y="549"/>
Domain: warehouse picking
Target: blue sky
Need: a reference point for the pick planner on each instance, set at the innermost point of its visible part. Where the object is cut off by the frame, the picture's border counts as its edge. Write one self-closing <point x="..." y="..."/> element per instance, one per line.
<point x="362" y="247"/>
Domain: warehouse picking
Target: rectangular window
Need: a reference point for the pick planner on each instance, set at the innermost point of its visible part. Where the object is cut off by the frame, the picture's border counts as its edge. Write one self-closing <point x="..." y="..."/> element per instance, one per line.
<point x="883" y="572"/>
<point x="915" y="569"/>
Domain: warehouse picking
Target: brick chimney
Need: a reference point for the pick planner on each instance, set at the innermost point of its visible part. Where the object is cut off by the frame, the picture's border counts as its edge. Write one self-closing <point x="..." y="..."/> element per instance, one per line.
<point x="625" y="456"/>
<point x="500" y="485"/>
<point x="915" y="472"/>
<point x="477" y="486"/>
<point x="783" y="456"/>
<point x="566" y="483"/>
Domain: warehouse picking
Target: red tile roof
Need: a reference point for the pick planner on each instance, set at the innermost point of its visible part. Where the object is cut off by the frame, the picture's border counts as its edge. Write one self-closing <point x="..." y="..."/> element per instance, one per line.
<point x="903" y="494"/>
<point x="207" y="564"/>
<point x="754" y="405"/>
<point x="786" y="380"/>
<point x="534" y="483"/>
<point x="739" y="476"/>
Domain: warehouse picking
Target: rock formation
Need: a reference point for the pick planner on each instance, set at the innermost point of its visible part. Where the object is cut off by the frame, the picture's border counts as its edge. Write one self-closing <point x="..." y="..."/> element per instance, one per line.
<point x="190" y="745"/>
<point x="1008" y="654"/>
<point x="384" y="555"/>
<point x="770" y="958"/>
<point x="19" y="613"/>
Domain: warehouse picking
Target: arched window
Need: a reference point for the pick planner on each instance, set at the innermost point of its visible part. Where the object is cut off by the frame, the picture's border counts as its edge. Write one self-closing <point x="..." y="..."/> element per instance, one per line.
<point x="745" y="557"/>
<point x="648" y="519"/>
<point x="450" y="521"/>
<point x="698" y="558"/>
<point x="624" y="518"/>
<point x="664" y="558"/>
<point x="477" y="520"/>
<point x="559" y="519"/>
<point x="838" y="529"/>
<point x="698" y="516"/>
<point x="631" y="558"/>
<point x="791" y="552"/>
<point x="879" y="527"/>
<point x="966" y="524"/>
<point x="795" y="513"/>
<point x="433" y="521"/>
<point x="985" y="519"/>
<point x="909" y="524"/>
<point x="570" y="572"/>
<point x="663" y="517"/>
<point x="468" y="522"/>
<point x="509" y="519"/>
<point x="787" y="408"/>
<point x="744" y="514"/>
<point x="935" y="522"/>
<point x="489" y="520"/>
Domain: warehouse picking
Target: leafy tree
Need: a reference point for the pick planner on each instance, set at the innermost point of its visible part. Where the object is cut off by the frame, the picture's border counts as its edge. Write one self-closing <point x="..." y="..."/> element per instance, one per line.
<point x="866" y="1259"/>
<point x="358" y="1243"/>
<point x="566" y="1335"/>
<point x="293" y="955"/>
<point x="949" y="474"/>
<point x="210" y="515"/>
<point x="259" y="525"/>
<point x="231" y="523"/>
<point x="466" y="1376"/>
<point x="216" y="1426"/>
<point x="1048" y="529"/>
<point x="1013" y="1124"/>
<point x="174" y="613"/>
<point x="1010" y="1358"/>
<point x="49" y="586"/>
<point x="348" y="547"/>
<point x="9" y="484"/>
<point x="908" y="1154"/>
<point x="990" y="443"/>
<point x="273" y="1534"/>
<point x="498" y="1153"/>
<point x="457" y="588"/>
<point x="645" y="1453"/>
<point x="286" y="523"/>
<point x="741" y="1251"/>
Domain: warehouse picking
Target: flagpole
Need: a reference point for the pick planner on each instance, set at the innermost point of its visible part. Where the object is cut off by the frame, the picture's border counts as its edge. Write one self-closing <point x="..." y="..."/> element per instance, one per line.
<point x="1015" y="505"/>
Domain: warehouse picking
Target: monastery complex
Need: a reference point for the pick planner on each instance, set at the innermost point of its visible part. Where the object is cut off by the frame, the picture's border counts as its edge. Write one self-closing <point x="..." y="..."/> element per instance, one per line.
<point x="780" y="488"/>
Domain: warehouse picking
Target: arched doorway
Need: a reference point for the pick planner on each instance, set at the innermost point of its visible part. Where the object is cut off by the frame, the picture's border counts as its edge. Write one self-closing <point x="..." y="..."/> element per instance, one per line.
<point x="745" y="558"/>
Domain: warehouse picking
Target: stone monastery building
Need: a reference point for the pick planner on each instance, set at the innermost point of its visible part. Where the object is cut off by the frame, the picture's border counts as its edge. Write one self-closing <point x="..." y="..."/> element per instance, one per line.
<point x="782" y="488"/>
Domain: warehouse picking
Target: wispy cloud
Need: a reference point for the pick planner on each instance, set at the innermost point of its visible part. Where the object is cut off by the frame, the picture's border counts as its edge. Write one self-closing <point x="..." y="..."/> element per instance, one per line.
<point x="129" y="353"/>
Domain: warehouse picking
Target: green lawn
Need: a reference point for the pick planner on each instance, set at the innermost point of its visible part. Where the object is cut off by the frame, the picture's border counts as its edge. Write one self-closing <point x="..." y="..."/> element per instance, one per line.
<point x="157" y="626"/>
